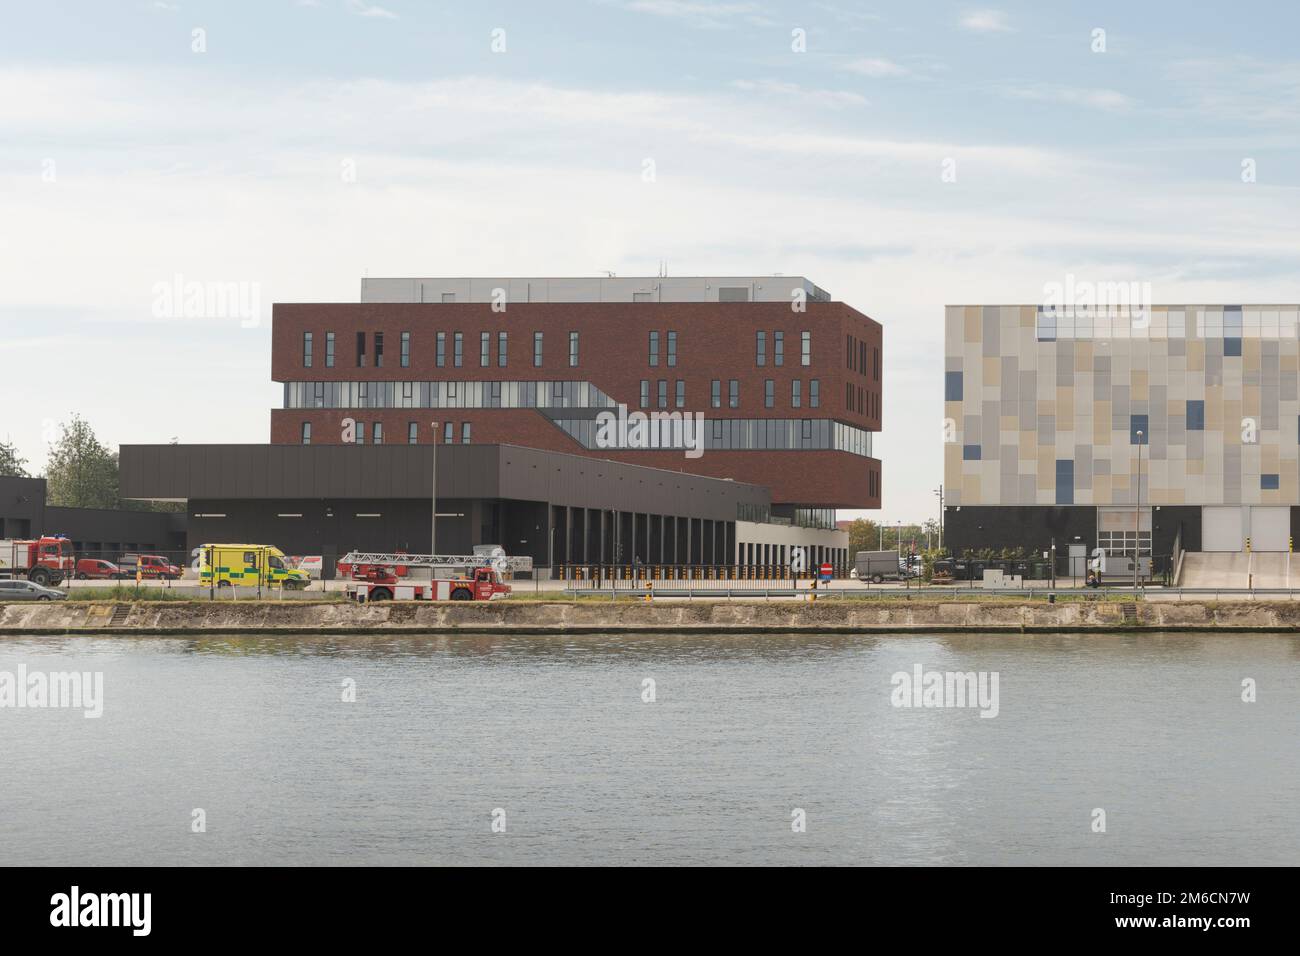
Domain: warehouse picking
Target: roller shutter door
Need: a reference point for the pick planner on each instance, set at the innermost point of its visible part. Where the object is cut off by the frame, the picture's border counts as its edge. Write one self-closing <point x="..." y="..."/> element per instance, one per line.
<point x="1270" y="528"/>
<point x="1221" y="529"/>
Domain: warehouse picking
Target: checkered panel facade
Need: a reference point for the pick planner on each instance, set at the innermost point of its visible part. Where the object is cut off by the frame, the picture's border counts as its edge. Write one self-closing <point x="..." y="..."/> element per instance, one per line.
<point x="1045" y="407"/>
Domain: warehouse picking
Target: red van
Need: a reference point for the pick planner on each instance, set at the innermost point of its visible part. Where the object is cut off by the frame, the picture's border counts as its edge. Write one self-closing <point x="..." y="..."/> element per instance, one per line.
<point x="95" y="569"/>
<point x="149" y="566"/>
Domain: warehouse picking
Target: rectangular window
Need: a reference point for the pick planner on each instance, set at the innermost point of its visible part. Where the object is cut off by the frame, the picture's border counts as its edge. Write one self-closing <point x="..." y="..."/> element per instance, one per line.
<point x="875" y="363"/>
<point x="952" y="386"/>
<point x="379" y="349"/>
<point x="672" y="349"/>
<point x="501" y="349"/>
<point x="406" y="350"/>
<point x="537" y="350"/>
<point x="1268" y="482"/>
<point x="1139" y="423"/>
<point x="760" y="348"/>
<point x="663" y="393"/>
<point x="796" y="397"/>
<point x="1045" y="327"/>
<point x="715" y="397"/>
<point x="449" y="297"/>
<point x="733" y="393"/>
<point x="449" y="433"/>
<point x="412" y="433"/>
<point x="306" y="433"/>
<point x="306" y="350"/>
<point x="485" y="349"/>
<point x="379" y="433"/>
<point x="458" y="349"/>
<point x="805" y="348"/>
<point x="1064" y="481"/>
<point x="645" y="393"/>
<point x="681" y="393"/>
<point x="769" y="393"/>
<point x="733" y="294"/>
<point x="464" y="432"/>
<point x="329" y="349"/>
<point x="361" y="433"/>
<point x="654" y="348"/>
<point x="815" y="393"/>
<point x="573" y="349"/>
<point x="361" y="350"/>
<point x="970" y="452"/>
<point x="441" y="353"/>
<point x="778" y="348"/>
<point x="1231" y="347"/>
<point x="1195" y="415"/>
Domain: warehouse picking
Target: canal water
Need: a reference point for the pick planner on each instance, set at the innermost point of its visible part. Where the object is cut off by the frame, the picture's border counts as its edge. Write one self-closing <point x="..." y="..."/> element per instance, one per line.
<point x="762" y="749"/>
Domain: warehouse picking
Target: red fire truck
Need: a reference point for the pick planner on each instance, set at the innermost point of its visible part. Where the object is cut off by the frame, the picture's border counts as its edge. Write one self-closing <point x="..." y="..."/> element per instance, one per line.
<point x="45" y="561"/>
<point x="379" y="576"/>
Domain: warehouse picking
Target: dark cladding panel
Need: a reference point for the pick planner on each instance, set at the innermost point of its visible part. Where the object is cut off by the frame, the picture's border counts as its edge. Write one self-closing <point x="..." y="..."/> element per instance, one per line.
<point x="251" y="468"/>
<point x="243" y="472"/>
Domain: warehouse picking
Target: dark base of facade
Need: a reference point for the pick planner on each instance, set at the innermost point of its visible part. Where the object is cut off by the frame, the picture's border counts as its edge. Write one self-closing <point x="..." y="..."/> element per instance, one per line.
<point x="1035" y="530"/>
<point x="988" y="531"/>
<point x="550" y="534"/>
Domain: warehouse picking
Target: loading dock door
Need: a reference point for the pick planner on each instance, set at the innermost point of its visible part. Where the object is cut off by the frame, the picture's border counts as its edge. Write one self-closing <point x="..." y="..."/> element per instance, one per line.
<point x="1221" y="529"/>
<point x="1270" y="528"/>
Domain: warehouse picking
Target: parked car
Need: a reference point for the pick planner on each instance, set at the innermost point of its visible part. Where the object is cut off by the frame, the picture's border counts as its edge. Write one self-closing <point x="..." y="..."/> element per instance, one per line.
<point x="97" y="569"/>
<point x="29" y="591"/>
<point x="149" y="566"/>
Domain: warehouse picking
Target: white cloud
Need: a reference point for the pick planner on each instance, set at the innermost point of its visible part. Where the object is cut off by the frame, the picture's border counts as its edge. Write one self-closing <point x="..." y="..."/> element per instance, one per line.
<point x="1100" y="99"/>
<point x="363" y="9"/>
<point x="776" y="88"/>
<point x="986" y="21"/>
<point x="1238" y="89"/>
<point x="698" y="14"/>
<point x="876" y="67"/>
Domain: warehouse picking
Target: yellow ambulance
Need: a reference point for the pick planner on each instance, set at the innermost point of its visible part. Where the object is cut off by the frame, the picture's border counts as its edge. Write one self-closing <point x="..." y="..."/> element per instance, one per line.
<point x="248" y="565"/>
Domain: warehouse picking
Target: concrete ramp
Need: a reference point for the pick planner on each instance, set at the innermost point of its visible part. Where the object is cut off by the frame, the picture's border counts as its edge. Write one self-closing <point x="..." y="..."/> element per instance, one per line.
<point x="1269" y="569"/>
<point x="1229" y="569"/>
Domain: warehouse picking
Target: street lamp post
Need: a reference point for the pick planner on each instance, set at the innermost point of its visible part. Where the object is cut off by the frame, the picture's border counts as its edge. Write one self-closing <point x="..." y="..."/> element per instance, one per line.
<point x="939" y="491"/>
<point x="433" y="496"/>
<point x="1137" y="518"/>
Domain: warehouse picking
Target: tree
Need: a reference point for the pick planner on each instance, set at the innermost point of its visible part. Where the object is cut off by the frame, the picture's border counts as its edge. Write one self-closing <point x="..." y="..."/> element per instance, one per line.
<point x="863" y="536"/>
<point x="11" y="464"/>
<point x="82" y="471"/>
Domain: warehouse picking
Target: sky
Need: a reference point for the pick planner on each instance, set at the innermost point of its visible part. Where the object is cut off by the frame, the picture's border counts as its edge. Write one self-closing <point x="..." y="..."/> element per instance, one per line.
<point x="903" y="156"/>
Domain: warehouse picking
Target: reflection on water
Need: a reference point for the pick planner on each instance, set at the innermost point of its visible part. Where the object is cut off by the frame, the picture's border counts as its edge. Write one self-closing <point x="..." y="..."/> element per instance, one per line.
<point x="743" y="730"/>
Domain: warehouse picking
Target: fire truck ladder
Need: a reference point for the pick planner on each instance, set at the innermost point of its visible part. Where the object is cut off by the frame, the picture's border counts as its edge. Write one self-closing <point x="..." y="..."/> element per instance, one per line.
<point x="437" y="560"/>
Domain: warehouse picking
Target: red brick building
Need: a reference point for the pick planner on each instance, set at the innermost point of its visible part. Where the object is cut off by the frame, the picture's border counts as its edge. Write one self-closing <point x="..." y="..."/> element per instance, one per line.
<point x="780" y="386"/>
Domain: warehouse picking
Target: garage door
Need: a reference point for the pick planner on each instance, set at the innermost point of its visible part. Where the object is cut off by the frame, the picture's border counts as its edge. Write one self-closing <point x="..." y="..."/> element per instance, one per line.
<point x="1270" y="529"/>
<point x="1221" y="529"/>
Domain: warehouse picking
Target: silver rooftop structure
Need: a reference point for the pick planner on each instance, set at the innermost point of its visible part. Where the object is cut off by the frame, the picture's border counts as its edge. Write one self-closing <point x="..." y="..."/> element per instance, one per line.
<point x="593" y="289"/>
